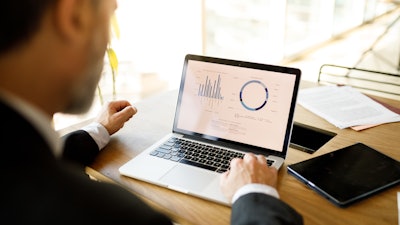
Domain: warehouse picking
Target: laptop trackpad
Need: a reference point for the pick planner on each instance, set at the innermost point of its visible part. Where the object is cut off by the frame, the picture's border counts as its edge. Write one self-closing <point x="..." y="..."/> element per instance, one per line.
<point x="188" y="179"/>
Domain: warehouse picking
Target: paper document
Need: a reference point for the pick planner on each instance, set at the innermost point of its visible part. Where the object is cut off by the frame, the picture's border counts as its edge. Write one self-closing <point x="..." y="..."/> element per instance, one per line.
<point x="344" y="106"/>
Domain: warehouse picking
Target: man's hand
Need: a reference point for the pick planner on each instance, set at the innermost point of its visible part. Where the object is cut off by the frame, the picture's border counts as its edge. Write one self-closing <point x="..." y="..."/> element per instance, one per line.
<point x="114" y="114"/>
<point x="250" y="169"/>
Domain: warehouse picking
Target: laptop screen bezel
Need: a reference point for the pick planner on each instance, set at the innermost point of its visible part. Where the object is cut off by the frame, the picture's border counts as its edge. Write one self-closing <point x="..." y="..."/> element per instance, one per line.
<point x="229" y="143"/>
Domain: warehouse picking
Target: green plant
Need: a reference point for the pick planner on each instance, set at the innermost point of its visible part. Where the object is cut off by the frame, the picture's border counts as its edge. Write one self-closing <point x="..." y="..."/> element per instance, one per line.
<point x="112" y="58"/>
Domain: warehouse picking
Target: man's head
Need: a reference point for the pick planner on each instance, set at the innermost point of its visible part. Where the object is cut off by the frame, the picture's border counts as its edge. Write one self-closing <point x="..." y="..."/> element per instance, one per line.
<point x="52" y="51"/>
<point x="19" y="20"/>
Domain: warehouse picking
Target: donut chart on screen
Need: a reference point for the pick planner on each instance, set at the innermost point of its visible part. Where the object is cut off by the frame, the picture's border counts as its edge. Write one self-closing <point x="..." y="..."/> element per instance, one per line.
<point x="259" y="95"/>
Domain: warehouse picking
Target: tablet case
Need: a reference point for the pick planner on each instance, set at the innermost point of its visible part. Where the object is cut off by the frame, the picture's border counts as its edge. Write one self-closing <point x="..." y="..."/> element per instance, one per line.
<point x="348" y="175"/>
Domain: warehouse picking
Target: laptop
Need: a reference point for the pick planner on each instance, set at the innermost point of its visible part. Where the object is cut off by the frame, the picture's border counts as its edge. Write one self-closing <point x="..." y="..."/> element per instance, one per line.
<point x="225" y="108"/>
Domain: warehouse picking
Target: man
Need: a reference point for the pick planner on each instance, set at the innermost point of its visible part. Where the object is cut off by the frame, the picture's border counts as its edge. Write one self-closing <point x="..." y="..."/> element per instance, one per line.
<point x="51" y="55"/>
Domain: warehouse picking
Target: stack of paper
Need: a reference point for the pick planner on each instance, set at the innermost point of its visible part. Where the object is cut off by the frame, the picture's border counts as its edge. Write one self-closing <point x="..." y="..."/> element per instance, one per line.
<point x="344" y="106"/>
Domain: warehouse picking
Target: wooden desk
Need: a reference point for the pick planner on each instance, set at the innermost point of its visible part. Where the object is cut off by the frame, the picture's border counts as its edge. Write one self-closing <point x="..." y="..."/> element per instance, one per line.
<point x="154" y="120"/>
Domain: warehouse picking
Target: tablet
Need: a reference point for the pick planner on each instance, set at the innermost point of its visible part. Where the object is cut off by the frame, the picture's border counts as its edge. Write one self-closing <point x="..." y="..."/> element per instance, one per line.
<point x="348" y="175"/>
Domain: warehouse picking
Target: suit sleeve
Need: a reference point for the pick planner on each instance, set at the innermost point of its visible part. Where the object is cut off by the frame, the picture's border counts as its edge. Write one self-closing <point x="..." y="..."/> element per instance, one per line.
<point x="79" y="147"/>
<point x="256" y="208"/>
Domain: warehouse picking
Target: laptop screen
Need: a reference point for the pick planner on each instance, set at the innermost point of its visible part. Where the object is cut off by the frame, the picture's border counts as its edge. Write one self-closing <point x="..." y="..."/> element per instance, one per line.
<point x="238" y="102"/>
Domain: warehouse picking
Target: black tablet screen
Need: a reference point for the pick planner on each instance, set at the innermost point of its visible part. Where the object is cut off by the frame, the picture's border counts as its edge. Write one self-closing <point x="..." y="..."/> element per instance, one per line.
<point x="348" y="174"/>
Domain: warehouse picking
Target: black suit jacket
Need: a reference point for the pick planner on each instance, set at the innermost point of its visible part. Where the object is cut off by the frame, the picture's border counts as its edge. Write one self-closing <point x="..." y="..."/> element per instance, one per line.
<point x="37" y="188"/>
<point x="257" y="209"/>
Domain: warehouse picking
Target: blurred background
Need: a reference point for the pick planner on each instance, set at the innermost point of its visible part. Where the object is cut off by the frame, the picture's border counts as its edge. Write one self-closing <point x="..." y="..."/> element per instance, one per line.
<point x="155" y="35"/>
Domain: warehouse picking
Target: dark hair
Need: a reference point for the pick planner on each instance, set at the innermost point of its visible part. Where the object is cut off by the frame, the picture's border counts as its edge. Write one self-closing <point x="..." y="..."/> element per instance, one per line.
<point x="19" y="20"/>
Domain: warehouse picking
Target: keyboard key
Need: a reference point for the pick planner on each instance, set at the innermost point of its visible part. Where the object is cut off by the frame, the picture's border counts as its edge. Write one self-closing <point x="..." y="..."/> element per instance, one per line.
<point x="163" y="150"/>
<point x="167" y="156"/>
<point x="175" y="158"/>
<point x="207" y="167"/>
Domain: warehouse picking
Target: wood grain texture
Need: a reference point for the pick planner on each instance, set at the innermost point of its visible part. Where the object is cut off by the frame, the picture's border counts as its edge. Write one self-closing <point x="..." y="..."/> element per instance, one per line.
<point x="154" y="120"/>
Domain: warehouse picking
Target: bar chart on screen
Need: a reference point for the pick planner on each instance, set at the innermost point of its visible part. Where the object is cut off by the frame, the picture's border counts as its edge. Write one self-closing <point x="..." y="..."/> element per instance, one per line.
<point x="210" y="91"/>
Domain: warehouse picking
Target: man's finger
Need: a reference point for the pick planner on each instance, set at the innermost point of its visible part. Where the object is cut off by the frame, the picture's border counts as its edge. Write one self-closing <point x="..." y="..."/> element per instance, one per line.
<point x="261" y="159"/>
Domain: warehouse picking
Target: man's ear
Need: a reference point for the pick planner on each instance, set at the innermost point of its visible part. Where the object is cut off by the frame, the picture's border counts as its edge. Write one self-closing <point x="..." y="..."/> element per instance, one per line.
<point x="72" y="18"/>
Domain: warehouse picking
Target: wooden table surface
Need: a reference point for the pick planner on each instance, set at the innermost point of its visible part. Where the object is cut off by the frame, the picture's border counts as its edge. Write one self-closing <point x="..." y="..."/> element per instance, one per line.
<point x="154" y="119"/>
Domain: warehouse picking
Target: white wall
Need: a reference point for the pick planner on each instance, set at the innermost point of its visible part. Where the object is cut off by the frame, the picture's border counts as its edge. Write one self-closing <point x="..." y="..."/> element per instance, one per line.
<point x="157" y="34"/>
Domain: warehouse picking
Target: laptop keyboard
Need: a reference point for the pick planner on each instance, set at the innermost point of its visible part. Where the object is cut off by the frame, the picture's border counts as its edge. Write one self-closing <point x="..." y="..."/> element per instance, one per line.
<point x="196" y="154"/>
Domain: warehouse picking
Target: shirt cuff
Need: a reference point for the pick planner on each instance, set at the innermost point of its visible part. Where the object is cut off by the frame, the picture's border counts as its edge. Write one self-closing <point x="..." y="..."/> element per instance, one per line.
<point x="255" y="188"/>
<point x="99" y="134"/>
